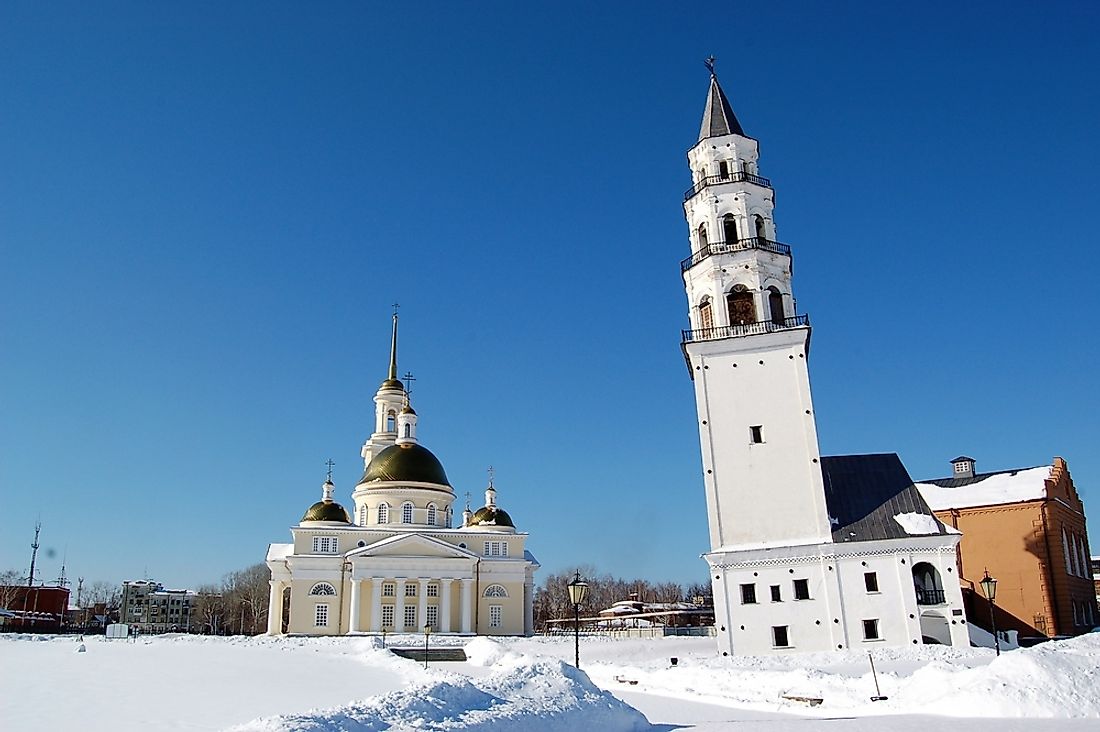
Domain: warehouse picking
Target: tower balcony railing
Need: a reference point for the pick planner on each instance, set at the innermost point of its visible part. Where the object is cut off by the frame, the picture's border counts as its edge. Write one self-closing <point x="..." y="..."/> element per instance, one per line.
<point x="930" y="597"/>
<point x="738" y="176"/>
<point x="741" y="245"/>
<point x="729" y="331"/>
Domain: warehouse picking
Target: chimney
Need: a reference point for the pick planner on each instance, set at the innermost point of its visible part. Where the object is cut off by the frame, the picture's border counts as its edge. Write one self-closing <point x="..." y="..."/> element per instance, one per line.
<point x="962" y="467"/>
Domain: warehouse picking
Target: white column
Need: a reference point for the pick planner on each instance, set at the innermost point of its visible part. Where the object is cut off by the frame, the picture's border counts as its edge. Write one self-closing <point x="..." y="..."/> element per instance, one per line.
<point x="376" y="604"/>
<point x="467" y="605"/>
<point x="422" y="612"/>
<point x="445" y="605"/>
<point x="356" y="592"/>
<point x="528" y="606"/>
<point x="275" y="608"/>
<point x="399" y="607"/>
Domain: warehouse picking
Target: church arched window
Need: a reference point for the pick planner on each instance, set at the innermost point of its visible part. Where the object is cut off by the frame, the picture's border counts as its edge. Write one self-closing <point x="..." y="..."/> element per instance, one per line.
<point x="408" y="430"/>
<point x="740" y="306"/>
<point x="724" y="169"/>
<point x="775" y="305"/>
<point x="729" y="228"/>
<point x="702" y="236"/>
<point x="391" y="421"/>
<point x="322" y="588"/>
<point x="406" y="513"/>
<point x="761" y="229"/>
<point x="495" y="591"/>
<point x="363" y="515"/>
<point x="383" y="513"/>
<point x="431" y="514"/>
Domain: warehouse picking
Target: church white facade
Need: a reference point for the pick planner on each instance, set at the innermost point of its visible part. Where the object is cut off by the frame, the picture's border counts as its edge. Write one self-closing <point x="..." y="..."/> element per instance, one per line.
<point x="807" y="553"/>
<point x="395" y="564"/>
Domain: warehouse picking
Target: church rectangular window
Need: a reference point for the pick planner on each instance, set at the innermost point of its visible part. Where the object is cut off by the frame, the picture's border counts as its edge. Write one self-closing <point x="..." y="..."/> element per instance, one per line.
<point x="410" y="616"/>
<point x="325" y="545"/>
<point x="388" y="589"/>
<point x="387" y="616"/>
<point x="870" y="581"/>
<point x="320" y="615"/>
<point x="496" y="616"/>
<point x="756" y="434"/>
<point x="870" y="630"/>
<point x="779" y="637"/>
<point x="496" y="548"/>
<point x="801" y="589"/>
<point x="748" y="594"/>
<point x="410" y="590"/>
<point x="432" y="617"/>
<point x="433" y="589"/>
<point x="777" y="594"/>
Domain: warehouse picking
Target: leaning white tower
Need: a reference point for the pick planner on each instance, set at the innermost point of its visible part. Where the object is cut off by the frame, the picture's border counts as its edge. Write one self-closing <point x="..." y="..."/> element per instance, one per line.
<point x="747" y="348"/>
<point x="806" y="553"/>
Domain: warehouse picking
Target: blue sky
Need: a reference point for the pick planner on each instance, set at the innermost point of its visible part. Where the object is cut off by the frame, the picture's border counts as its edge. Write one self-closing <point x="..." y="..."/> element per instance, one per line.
<point x="205" y="213"/>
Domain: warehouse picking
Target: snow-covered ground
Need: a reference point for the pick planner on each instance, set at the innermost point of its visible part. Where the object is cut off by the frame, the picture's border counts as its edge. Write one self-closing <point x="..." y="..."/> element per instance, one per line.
<point x="196" y="683"/>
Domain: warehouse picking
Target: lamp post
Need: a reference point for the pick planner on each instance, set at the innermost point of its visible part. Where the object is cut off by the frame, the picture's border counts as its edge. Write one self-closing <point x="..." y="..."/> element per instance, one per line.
<point x="578" y="588"/>
<point x="427" y="634"/>
<point x="989" y="587"/>
<point x="385" y="629"/>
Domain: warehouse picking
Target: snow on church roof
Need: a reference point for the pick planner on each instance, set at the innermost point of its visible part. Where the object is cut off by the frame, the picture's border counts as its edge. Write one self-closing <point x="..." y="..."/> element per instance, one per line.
<point x="986" y="489"/>
<point x="919" y="524"/>
<point x="275" y="552"/>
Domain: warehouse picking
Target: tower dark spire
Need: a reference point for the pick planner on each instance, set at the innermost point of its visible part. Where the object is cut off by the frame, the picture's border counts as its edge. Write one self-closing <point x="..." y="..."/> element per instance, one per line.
<point x="391" y="381"/>
<point x="718" y="117"/>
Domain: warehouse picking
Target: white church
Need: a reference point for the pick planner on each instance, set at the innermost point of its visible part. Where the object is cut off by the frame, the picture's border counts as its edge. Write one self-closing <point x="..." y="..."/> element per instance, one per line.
<point x="808" y="553"/>
<point x="395" y="564"/>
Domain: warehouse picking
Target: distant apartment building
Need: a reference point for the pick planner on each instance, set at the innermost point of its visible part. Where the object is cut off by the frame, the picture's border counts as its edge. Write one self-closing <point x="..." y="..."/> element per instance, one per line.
<point x="149" y="608"/>
<point x="1027" y="528"/>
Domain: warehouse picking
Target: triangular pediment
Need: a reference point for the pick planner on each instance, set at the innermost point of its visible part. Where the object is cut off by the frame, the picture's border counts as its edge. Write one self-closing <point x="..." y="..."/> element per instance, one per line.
<point x="412" y="545"/>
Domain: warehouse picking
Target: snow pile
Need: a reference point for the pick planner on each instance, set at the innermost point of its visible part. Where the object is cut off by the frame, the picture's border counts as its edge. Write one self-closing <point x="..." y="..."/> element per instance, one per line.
<point x="540" y="696"/>
<point x="917" y="524"/>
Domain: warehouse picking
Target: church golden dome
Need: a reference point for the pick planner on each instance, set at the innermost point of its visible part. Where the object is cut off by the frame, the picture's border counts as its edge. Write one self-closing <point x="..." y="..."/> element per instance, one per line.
<point x="406" y="462"/>
<point x="492" y="516"/>
<point x="327" y="511"/>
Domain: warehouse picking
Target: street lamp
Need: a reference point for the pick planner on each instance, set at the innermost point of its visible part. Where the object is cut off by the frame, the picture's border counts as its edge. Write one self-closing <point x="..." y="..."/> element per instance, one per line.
<point x="989" y="587"/>
<point x="578" y="588"/>
<point x="385" y="629"/>
<point x="427" y="634"/>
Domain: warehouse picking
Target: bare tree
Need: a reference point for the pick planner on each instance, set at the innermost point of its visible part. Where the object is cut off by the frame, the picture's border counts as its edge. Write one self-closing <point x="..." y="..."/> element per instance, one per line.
<point x="246" y="594"/>
<point x="9" y="578"/>
<point x="210" y="607"/>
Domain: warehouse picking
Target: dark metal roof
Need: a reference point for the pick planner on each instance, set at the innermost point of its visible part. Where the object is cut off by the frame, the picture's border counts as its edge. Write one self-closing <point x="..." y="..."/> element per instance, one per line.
<point x="718" y="117"/>
<point x="976" y="478"/>
<point x="863" y="494"/>
<point x="492" y="516"/>
<point x="961" y="458"/>
<point x="327" y="511"/>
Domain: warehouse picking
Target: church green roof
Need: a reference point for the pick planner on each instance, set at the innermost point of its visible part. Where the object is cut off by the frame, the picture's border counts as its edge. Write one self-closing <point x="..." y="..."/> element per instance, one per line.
<point x="406" y="462"/>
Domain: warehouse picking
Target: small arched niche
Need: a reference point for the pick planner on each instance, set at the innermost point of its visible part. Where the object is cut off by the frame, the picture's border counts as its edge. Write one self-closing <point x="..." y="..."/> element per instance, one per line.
<point x="740" y="306"/>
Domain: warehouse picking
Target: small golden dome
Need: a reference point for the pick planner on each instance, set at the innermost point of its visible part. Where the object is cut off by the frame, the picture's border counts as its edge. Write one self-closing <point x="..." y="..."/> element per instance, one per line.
<point x="327" y="511"/>
<point x="492" y="516"/>
<point x="407" y="409"/>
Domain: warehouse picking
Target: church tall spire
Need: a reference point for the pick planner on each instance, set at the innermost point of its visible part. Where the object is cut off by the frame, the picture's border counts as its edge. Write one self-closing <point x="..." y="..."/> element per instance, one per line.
<point x="392" y="381"/>
<point x="718" y="117"/>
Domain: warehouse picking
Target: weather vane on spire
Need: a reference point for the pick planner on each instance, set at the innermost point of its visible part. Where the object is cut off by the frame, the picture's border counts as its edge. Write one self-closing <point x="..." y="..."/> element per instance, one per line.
<point x="329" y="463"/>
<point x="710" y="63"/>
<point x="395" y="307"/>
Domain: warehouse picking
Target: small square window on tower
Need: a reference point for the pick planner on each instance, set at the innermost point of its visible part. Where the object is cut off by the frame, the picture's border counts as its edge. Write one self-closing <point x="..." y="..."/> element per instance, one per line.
<point x="748" y="594"/>
<point x="777" y="594"/>
<point x="801" y="589"/>
<point x="870" y="581"/>
<point x="870" y="630"/>
<point x="756" y="434"/>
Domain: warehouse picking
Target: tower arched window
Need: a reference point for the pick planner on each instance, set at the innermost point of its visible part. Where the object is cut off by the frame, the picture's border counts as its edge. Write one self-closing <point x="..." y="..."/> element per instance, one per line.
<point x="729" y="228"/>
<point x="383" y="513"/>
<point x="391" y="421"/>
<point x="495" y="591"/>
<point x="706" y="314"/>
<point x="724" y="169"/>
<point x="363" y="515"/>
<point x="740" y="306"/>
<point x="775" y="305"/>
<point x="408" y="430"/>
<point x="761" y="229"/>
<point x="703" y="236"/>
<point x="322" y="588"/>
<point x="431" y="514"/>
<point x="406" y="513"/>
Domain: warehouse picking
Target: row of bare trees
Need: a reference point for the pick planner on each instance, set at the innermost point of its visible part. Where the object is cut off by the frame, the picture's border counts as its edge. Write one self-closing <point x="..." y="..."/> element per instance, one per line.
<point x="236" y="605"/>
<point x="552" y="595"/>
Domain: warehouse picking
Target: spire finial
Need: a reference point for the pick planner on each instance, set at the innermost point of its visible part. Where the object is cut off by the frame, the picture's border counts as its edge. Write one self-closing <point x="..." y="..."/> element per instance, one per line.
<point x="467" y="500"/>
<point x="709" y="63"/>
<point x="393" y="346"/>
<point x="408" y="379"/>
<point x="329" y="463"/>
